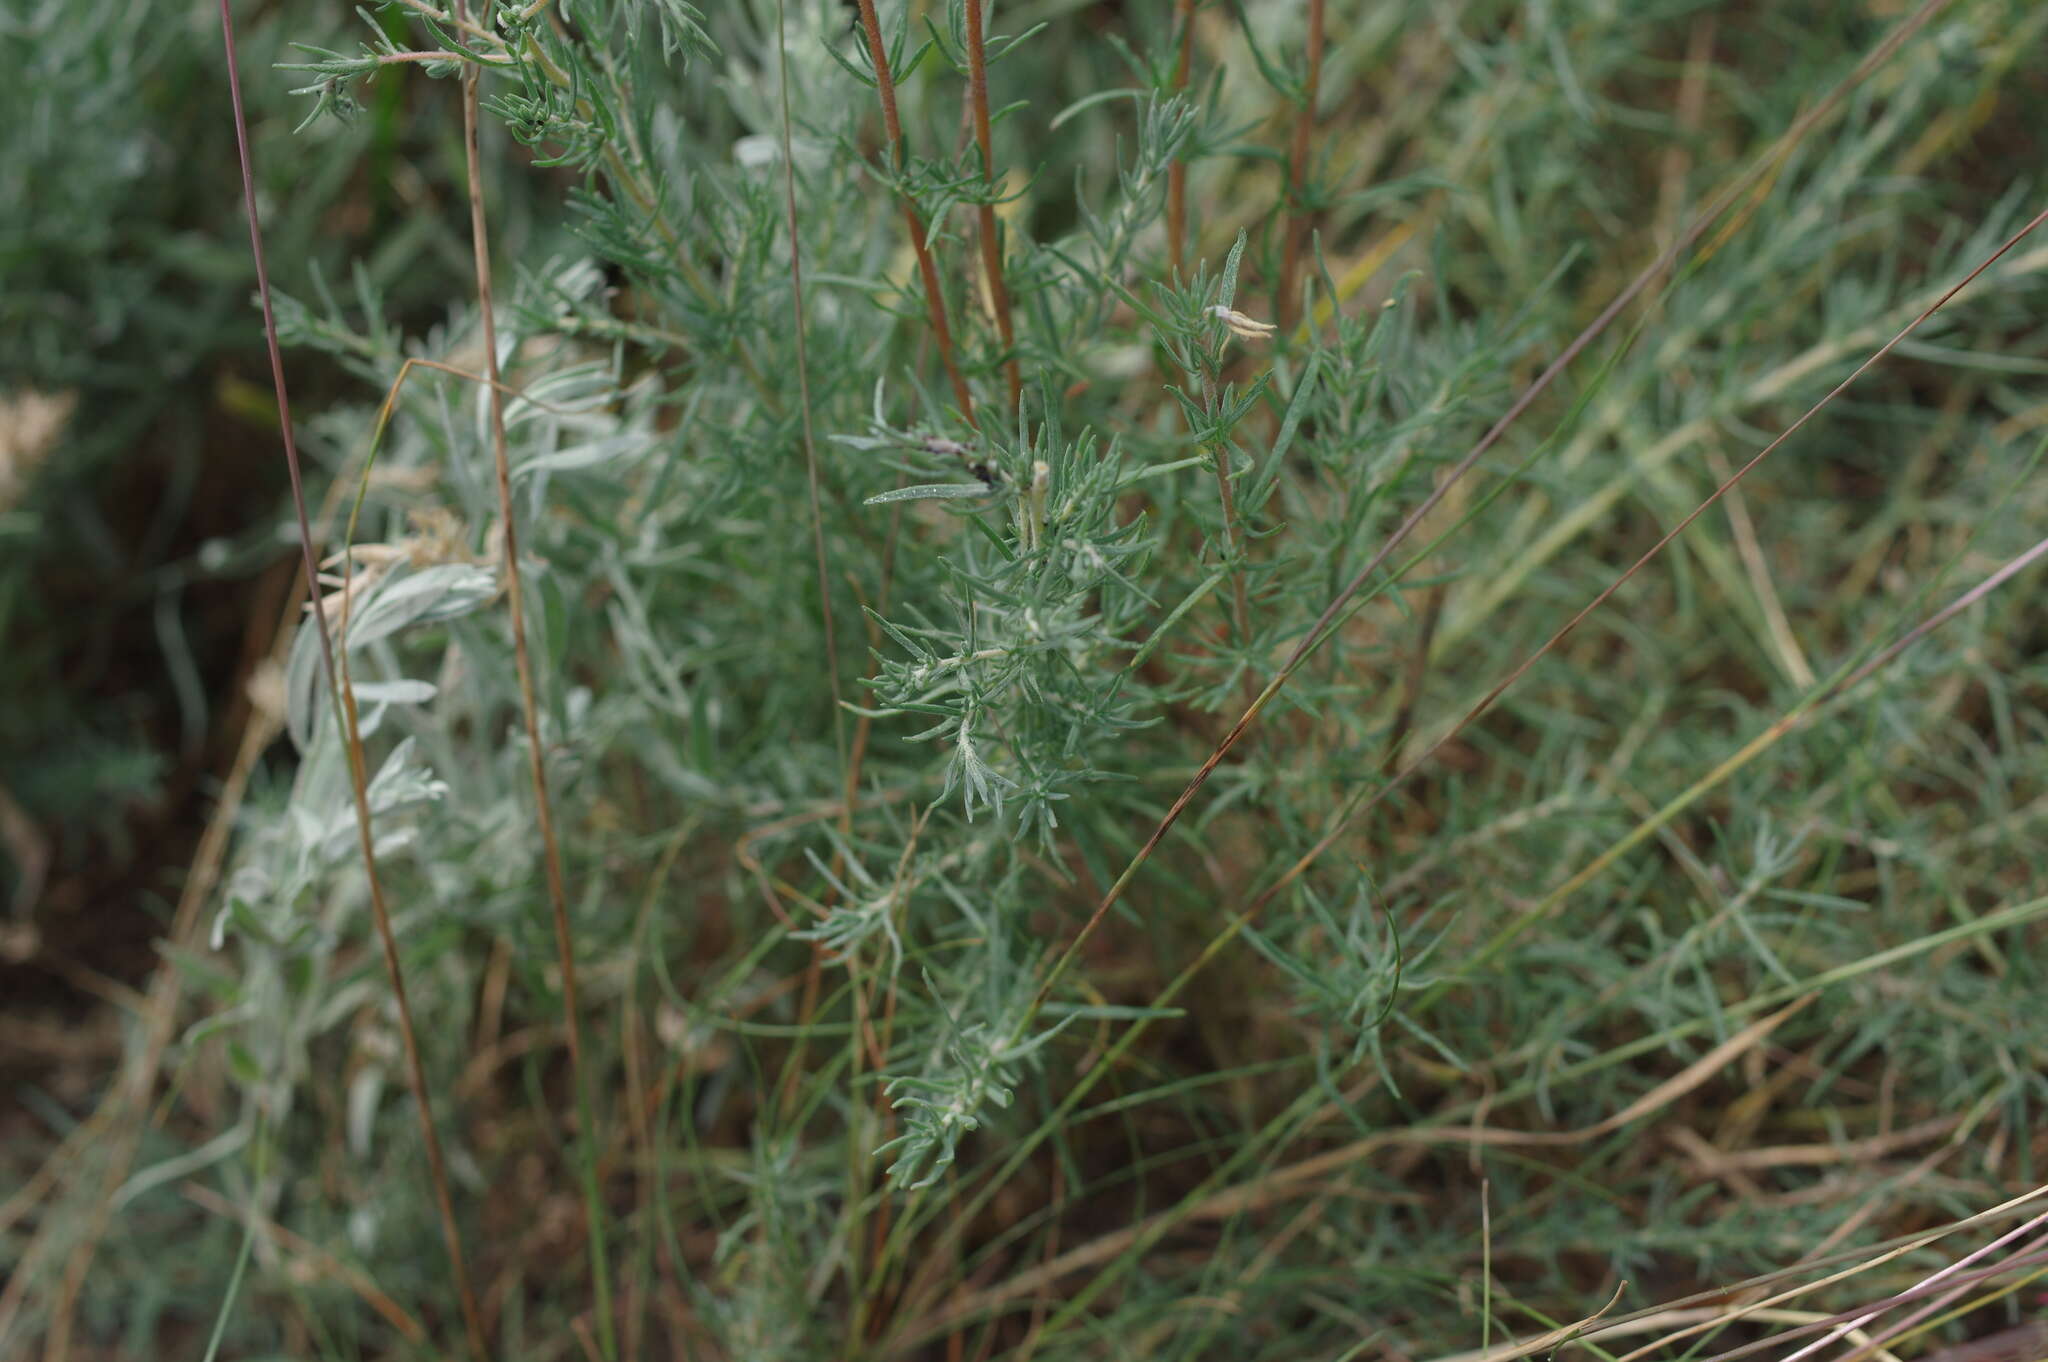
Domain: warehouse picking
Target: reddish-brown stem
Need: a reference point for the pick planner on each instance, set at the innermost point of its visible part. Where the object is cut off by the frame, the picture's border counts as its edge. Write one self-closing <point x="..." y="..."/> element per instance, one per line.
<point x="380" y="912"/>
<point x="1297" y="170"/>
<point x="892" y="128"/>
<point x="416" y="1073"/>
<point x="991" y="243"/>
<point x="551" y="852"/>
<point x="515" y="583"/>
<point x="1177" y="171"/>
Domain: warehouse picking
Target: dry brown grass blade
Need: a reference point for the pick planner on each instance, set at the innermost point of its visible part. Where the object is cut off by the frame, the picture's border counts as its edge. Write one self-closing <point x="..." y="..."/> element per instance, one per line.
<point x="1691" y="1076"/>
<point x="1931" y="1293"/>
<point x="1544" y="1343"/>
<point x="1628" y="1327"/>
<point x="1265" y="1190"/>
<point x="1750" y="1304"/>
<point x="1716" y="1162"/>
<point x="1689" y="1317"/>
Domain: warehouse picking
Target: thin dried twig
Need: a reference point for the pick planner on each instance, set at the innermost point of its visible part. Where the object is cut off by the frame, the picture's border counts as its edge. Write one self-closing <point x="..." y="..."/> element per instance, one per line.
<point x="1297" y="169"/>
<point x="920" y="244"/>
<point x="529" y="705"/>
<point x="990" y="230"/>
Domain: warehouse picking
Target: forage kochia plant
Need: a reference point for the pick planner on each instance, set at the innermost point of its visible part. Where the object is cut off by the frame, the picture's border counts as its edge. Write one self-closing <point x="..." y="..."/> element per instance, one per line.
<point x="1016" y="666"/>
<point x="869" y="802"/>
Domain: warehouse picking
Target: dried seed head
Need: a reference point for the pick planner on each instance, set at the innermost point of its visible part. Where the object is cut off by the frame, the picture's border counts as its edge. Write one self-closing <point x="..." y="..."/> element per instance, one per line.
<point x="1241" y="326"/>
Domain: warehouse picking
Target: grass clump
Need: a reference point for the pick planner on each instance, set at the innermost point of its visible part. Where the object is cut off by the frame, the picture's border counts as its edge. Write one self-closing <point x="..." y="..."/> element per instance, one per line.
<point x="1095" y="819"/>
